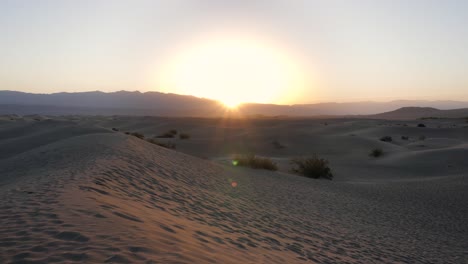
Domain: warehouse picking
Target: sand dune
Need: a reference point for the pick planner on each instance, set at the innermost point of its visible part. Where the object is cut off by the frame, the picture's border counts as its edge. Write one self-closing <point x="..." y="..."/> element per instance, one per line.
<point x="73" y="190"/>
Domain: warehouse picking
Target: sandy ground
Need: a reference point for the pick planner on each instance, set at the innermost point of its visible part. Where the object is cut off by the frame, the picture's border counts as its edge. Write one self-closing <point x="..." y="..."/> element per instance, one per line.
<point x="73" y="190"/>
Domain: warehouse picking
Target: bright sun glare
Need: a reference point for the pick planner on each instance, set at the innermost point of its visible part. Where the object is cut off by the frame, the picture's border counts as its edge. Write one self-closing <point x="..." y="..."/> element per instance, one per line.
<point x="234" y="71"/>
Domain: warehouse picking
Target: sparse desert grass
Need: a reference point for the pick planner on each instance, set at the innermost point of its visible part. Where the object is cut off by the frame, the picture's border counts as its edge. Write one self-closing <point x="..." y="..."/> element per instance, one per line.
<point x="386" y="139"/>
<point x="255" y="162"/>
<point x="312" y="167"/>
<point x="421" y="125"/>
<point x="115" y="129"/>
<point x="169" y="145"/>
<point x="168" y="134"/>
<point x="184" y="136"/>
<point x="377" y="152"/>
<point x="405" y="137"/>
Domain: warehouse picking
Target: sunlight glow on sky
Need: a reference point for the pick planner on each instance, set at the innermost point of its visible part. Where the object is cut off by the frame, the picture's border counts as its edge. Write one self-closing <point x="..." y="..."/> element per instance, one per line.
<point x="274" y="51"/>
<point x="248" y="71"/>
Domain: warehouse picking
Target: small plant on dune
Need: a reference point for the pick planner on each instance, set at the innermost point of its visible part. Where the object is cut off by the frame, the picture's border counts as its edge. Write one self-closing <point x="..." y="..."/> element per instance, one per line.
<point x="255" y="162"/>
<point x="169" y="145"/>
<point x="138" y="135"/>
<point x="386" y="139"/>
<point x="115" y="129"/>
<point x="127" y="133"/>
<point x="168" y="134"/>
<point x="421" y="125"/>
<point x="377" y="152"/>
<point x="312" y="167"/>
<point x="165" y="135"/>
<point x="277" y="144"/>
<point x="405" y="137"/>
<point x="184" y="136"/>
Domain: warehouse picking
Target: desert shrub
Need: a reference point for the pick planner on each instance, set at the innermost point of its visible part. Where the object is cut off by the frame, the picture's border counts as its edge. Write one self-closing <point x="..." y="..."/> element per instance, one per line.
<point x="386" y="139"/>
<point x="377" y="152"/>
<point x="169" y="145"/>
<point x="421" y="125"/>
<point x="115" y="129"/>
<point x="422" y="138"/>
<point x="138" y="135"/>
<point x="277" y="144"/>
<point x="312" y="167"/>
<point x="255" y="162"/>
<point x="184" y="136"/>
<point x="165" y="135"/>
<point x="404" y="137"/>
<point x="127" y="133"/>
<point x="168" y="134"/>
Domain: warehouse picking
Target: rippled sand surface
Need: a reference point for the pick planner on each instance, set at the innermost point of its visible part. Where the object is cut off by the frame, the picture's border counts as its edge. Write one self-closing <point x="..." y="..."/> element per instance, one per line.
<point x="80" y="192"/>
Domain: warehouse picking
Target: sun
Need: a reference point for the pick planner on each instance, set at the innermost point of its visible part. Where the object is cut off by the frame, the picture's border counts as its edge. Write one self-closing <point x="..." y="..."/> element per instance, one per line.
<point x="233" y="71"/>
<point x="230" y="104"/>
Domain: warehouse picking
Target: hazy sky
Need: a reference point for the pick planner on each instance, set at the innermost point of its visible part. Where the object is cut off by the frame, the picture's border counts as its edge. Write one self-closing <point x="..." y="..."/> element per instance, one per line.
<point x="345" y="50"/>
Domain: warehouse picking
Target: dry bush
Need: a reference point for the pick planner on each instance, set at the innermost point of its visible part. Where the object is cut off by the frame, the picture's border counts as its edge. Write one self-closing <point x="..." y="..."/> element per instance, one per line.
<point x="277" y="144"/>
<point x="184" y="136"/>
<point x="255" y="162"/>
<point x="312" y="167"/>
<point x="169" y="145"/>
<point x="138" y="135"/>
<point x="386" y="139"/>
<point x="377" y="152"/>
<point x="168" y="134"/>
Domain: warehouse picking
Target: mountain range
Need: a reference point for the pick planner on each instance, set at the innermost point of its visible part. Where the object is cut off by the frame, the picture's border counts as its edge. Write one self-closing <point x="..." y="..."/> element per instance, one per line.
<point x="162" y="104"/>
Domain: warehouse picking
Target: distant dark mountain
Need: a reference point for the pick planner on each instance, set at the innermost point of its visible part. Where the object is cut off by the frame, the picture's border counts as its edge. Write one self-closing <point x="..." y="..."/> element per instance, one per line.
<point x="161" y="104"/>
<point x="100" y="103"/>
<point x="422" y="112"/>
<point x="340" y="109"/>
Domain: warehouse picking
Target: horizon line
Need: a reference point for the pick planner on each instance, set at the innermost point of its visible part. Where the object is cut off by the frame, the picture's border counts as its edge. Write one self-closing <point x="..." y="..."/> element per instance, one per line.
<point x="245" y="103"/>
